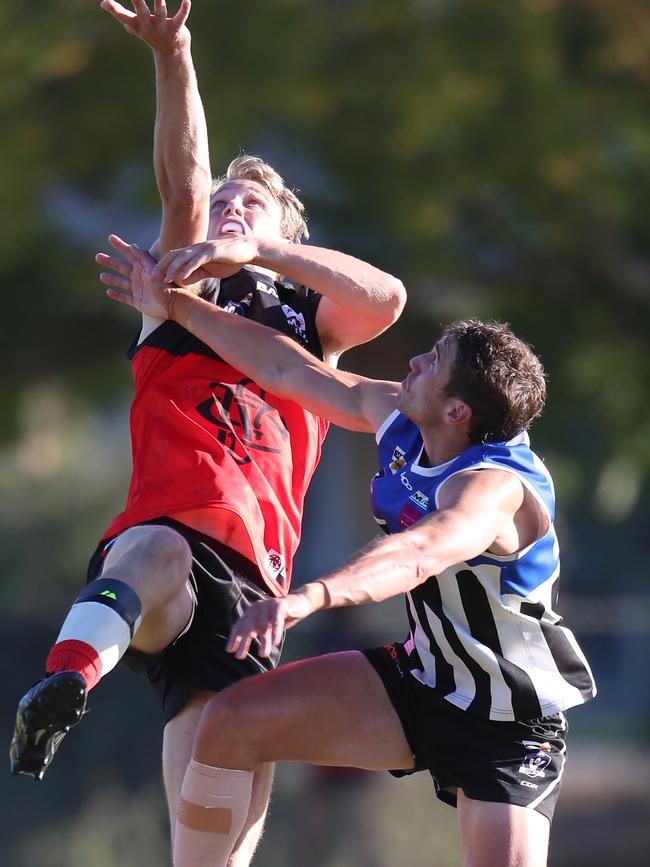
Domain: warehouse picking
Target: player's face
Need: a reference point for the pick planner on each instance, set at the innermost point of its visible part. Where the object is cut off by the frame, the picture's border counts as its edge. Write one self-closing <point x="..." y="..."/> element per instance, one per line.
<point x="244" y="208"/>
<point x="422" y="395"/>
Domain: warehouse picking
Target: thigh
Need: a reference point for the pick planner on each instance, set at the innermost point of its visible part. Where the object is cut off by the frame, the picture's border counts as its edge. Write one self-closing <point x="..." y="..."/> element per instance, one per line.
<point x="330" y="710"/>
<point x="501" y="835"/>
<point x="155" y="561"/>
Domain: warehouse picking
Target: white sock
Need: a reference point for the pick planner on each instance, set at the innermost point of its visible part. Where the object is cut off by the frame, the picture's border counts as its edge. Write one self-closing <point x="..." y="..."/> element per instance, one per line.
<point x="100" y="627"/>
<point x="211" y="814"/>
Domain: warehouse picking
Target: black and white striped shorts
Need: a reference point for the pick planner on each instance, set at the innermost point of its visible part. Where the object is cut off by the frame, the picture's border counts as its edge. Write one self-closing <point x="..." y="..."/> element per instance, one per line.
<point x="503" y="762"/>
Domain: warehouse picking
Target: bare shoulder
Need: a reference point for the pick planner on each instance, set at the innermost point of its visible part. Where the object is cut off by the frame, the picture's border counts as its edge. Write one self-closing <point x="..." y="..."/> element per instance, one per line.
<point x="493" y="488"/>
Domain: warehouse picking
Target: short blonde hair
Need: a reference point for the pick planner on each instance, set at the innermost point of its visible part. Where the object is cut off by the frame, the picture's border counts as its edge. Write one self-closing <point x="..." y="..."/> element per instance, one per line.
<point x="250" y="168"/>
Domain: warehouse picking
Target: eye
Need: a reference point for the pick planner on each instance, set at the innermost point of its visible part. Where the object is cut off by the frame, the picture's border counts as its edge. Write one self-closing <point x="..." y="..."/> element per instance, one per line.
<point x="254" y="203"/>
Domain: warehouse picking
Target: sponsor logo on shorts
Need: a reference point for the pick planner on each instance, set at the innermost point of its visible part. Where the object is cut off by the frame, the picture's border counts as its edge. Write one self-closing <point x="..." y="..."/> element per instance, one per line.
<point x="398" y="460"/>
<point x="528" y="785"/>
<point x="392" y="652"/>
<point x="536" y="760"/>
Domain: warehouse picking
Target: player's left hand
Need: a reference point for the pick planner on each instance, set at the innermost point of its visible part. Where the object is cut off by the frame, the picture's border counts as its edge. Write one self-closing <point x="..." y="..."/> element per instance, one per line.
<point x="266" y="620"/>
<point x="130" y="280"/>
<point x="162" y="32"/>
<point x="220" y="257"/>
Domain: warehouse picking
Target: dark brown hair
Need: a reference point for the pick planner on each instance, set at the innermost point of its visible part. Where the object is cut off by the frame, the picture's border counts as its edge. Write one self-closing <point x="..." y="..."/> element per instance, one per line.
<point x="498" y="376"/>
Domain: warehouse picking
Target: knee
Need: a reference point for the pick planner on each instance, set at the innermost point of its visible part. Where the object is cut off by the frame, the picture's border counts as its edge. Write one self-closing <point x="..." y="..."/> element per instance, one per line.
<point x="228" y="735"/>
<point x="155" y="556"/>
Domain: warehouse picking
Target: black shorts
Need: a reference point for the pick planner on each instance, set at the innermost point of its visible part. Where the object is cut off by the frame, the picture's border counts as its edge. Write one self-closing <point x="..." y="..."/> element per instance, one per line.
<point x="197" y="659"/>
<point x="504" y="762"/>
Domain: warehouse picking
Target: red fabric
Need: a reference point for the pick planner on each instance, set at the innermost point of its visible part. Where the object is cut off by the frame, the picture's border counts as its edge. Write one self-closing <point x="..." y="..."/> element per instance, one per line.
<point x="206" y="437"/>
<point x="73" y="655"/>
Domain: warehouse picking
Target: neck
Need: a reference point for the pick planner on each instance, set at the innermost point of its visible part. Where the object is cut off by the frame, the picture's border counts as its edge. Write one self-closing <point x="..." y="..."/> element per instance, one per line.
<point x="441" y="446"/>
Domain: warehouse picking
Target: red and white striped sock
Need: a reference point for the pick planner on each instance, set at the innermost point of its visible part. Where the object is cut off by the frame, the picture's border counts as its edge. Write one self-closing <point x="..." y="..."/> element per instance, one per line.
<point x="74" y="655"/>
<point x="97" y="631"/>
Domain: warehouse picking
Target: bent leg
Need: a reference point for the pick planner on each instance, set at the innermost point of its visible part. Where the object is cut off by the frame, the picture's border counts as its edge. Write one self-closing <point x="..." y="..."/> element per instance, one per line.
<point x="329" y="710"/>
<point x="501" y="835"/>
<point x="244" y="848"/>
<point x="142" y="599"/>
<point x="155" y="562"/>
<point x="178" y="739"/>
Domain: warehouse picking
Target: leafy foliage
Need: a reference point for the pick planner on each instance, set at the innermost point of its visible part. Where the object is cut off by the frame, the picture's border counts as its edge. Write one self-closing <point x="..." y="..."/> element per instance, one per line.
<point x="495" y="155"/>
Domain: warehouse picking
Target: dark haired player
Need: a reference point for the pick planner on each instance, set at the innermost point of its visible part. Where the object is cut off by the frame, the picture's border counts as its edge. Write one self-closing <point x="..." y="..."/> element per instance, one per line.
<point x="477" y="692"/>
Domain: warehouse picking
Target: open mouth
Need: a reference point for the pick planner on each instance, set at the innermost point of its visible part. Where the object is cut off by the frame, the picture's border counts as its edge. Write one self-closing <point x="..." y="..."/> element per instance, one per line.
<point x="232" y="228"/>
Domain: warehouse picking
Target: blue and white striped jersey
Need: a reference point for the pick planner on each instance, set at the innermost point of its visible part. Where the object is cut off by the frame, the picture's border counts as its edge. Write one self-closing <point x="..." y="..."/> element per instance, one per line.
<point x="484" y="633"/>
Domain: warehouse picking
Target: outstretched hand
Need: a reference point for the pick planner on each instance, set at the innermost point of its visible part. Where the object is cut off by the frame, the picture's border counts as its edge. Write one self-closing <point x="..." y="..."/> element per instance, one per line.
<point x="160" y="31"/>
<point x="266" y="620"/>
<point x="130" y="280"/>
<point x="217" y="258"/>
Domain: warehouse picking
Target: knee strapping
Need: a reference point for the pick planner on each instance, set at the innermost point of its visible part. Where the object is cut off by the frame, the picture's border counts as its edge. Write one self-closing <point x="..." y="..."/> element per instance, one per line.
<point x="101" y="623"/>
<point x="212" y="812"/>
<point x="117" y="596"/>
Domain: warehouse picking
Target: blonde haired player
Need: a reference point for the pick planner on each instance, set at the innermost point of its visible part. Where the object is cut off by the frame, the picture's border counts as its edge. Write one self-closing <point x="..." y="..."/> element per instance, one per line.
<point x="220" y="467"/>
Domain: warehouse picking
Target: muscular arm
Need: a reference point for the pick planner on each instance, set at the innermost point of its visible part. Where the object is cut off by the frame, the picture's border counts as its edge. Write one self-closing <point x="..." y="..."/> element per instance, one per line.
<point x="359" y="301"/>
<point x="475" y="507"/>
<point x="271" y="359"/>
<point x="284" y="368"/>
<point x="181" y="157"/>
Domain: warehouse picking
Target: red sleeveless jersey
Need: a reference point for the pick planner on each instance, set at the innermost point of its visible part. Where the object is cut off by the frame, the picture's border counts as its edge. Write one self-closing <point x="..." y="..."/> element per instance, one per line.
<point x="206" y="438"/>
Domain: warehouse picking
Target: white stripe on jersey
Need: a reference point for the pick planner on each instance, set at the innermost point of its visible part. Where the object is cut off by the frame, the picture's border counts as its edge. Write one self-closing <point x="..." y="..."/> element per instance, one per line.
<point x="521" y="639"/>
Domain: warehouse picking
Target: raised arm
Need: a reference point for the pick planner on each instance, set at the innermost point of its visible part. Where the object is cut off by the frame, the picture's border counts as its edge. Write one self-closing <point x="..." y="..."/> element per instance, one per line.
<point x="360" y="301"/>
<point x="181" y="157"/>
<point x="475" y="507"/>
<point x="271" y="359"/>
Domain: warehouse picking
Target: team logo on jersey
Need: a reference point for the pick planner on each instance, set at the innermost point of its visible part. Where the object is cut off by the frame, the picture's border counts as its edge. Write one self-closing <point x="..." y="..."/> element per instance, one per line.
<point x="243" y="420"/>
<point x="239" y="307"/>
<point x="296" y="321"/>
<point x="398" y="460"/>
<point x="536" y="760"/>
<point x="420" y="500"/>
<point x="275" y="565"/>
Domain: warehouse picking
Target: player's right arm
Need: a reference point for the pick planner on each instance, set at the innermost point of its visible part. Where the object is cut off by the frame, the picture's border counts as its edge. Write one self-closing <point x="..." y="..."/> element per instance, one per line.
<point x="181" y="155"/>
<point x="271" y="359"/>
<point x="280" y="365"/>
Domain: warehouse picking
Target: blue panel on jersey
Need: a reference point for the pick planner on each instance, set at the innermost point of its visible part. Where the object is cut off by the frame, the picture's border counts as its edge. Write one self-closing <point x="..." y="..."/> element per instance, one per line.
<point x="403" y="492"/>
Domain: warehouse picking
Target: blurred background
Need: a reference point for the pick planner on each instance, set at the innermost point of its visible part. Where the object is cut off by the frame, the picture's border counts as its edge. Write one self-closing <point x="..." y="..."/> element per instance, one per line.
<point x="496" y="156"/>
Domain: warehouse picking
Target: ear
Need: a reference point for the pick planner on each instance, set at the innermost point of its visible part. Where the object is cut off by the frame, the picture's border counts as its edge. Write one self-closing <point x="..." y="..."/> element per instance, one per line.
<point x="457" y="412"/>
